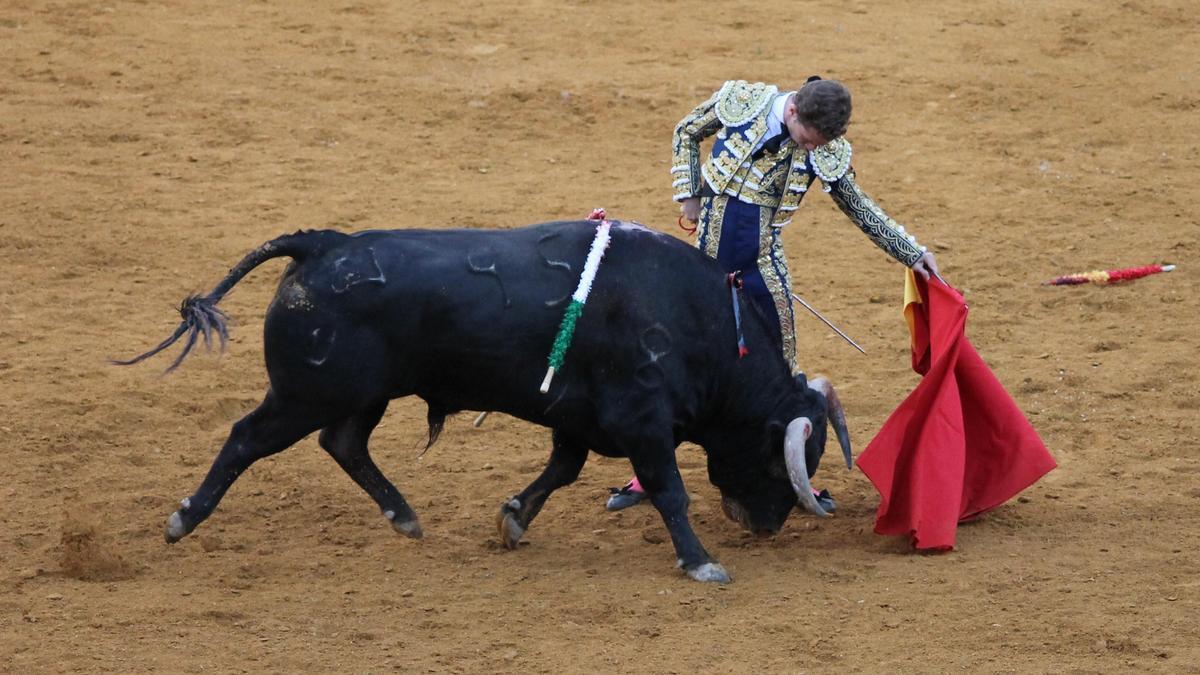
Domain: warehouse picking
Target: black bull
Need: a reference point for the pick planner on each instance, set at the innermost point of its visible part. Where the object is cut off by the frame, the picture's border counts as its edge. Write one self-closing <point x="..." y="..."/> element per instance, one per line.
<point x="465" y="319"/>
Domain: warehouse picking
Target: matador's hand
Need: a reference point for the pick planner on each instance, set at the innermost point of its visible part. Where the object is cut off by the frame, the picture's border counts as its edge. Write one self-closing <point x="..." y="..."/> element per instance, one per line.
<point x="690" y="209"/>
<point x="926" y="266"/>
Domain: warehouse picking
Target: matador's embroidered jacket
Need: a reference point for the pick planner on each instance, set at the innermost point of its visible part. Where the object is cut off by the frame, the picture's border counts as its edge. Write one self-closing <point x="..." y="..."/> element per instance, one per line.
<point x="738" y="114"/>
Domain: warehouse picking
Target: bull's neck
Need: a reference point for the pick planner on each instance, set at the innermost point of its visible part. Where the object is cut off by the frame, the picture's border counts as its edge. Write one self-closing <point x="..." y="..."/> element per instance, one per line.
<point x="755" y="389"/>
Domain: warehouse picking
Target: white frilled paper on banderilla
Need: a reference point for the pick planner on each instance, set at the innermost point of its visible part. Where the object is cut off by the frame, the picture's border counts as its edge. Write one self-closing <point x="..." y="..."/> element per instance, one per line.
<point x="566" y="330"/>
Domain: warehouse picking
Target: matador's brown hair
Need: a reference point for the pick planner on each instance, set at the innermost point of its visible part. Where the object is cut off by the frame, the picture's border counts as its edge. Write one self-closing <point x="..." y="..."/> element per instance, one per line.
<point x="824" y="105"/>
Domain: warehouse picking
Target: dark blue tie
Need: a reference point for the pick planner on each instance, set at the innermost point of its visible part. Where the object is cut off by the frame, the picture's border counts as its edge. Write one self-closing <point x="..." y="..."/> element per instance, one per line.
<point x="772" y="144"/>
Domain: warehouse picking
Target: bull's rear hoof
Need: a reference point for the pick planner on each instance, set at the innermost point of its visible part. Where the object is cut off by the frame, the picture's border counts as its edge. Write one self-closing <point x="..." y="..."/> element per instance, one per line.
<point x="409" y="528"/>
<point x="176" y="529"/>
<point x="510" y="528"/>
<point x="713" y="572"/>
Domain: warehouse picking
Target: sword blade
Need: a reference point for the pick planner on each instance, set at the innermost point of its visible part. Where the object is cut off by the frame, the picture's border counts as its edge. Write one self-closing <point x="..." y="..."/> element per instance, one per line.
<point x="827" y="323"/>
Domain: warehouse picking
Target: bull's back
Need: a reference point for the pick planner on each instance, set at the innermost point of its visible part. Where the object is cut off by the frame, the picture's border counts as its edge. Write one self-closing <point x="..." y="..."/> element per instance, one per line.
<point x="469" y="316"/>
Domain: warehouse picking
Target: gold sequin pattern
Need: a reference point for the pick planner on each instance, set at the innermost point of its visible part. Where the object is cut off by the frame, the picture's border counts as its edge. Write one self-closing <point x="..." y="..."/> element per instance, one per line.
<point x="720" y="170"/>
<point x="772" y="265"/>
<point x="701" y="123"/>
<point x="793" y="193"/>
<point x="831" y="161"/>
<point x="739" y="101"/>
<point x="708" y="229"/>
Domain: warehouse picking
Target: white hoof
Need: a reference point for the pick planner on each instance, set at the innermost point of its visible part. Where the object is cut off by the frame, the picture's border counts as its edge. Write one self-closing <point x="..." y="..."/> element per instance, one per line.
<point x="713" y="572"/>
<point x="175" y="528"/>
<point x="511" y="532"/>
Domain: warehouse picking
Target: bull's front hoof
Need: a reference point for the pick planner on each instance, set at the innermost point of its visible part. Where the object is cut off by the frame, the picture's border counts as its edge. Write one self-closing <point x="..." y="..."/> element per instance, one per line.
<point x="410" y="528"/>
<point x="177" y="527"/>
<point x="712" y="571"/>
<point x="510" y="527"/>
<point x="176" y="530"/>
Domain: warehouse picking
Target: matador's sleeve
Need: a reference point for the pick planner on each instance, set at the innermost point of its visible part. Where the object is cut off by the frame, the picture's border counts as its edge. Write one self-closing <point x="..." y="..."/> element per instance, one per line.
<point x="885" y="232"/>
<point x="685" y="165"/>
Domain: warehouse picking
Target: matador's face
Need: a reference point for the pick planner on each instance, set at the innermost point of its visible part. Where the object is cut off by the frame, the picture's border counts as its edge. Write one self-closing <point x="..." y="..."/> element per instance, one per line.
<point x="804" y="137"/>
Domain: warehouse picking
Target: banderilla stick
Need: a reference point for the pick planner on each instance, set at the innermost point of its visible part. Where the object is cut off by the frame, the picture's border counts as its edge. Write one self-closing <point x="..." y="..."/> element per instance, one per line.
<point x="827" y="322"/>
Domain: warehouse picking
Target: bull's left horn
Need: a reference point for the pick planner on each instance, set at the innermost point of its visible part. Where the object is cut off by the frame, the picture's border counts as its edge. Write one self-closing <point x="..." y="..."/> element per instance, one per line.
<point x="798" y="431"/>
<point x="836" y="416"/>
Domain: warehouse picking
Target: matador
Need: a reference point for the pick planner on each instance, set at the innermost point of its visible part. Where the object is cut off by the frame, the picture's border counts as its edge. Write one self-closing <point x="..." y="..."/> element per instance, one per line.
<point x="770" y="147"/>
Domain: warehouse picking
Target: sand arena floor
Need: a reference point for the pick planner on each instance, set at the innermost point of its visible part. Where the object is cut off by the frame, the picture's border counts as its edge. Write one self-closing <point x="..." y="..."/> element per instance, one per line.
<point x="145" y="146"/>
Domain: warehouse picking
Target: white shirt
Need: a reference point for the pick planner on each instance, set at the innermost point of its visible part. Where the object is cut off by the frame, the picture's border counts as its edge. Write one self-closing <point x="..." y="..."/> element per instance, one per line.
<point x="775" y="123"/>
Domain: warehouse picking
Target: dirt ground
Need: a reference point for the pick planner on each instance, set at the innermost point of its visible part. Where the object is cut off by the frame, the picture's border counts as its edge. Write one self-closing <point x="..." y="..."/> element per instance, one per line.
<point x="146" y="146"/>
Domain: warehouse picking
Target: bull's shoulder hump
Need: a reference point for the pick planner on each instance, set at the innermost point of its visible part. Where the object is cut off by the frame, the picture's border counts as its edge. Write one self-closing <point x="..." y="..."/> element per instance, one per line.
<point x="646" y="236"/>
<point x="466" y="234"/>
<point x="638" y="245"/>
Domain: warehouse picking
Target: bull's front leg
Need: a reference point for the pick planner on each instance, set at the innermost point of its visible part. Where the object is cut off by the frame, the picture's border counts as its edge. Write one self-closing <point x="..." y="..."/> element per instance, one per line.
<point x="659" y="476"/>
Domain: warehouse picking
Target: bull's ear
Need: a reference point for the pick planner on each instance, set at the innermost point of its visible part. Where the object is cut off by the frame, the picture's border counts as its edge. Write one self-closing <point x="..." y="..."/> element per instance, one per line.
<point x="801" y="381"/>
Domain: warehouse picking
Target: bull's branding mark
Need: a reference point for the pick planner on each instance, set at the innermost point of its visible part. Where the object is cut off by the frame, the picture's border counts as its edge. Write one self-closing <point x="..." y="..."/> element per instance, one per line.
<point x="656" y="342"/>
<point x="557" y="265"/>
<point x="483" y="261"/>
<point x="358" y="266"/>
<point x="320" y="344"/>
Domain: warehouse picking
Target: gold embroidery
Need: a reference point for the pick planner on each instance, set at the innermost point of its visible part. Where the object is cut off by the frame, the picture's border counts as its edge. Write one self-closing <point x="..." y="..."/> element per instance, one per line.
<point x="831" y="161"/>
<point x="739" y="101"/>
<point x="719" y="171"/>
<point x="772" y="265"/>
<point x="701" y="123"/>
<point x="797" y="186"/>
<point x="771" y="262"/>
<point x="708" y="233"/>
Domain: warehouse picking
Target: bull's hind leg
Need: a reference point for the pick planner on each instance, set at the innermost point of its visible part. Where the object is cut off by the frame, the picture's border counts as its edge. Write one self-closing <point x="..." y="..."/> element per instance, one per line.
<point x="272" y="427"/>
<point x="566" y="461"/>
<point x="346" y="442"/>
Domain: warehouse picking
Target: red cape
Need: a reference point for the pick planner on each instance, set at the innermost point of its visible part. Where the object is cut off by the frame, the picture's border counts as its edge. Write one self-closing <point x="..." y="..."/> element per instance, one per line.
<point x="958" y="445"/>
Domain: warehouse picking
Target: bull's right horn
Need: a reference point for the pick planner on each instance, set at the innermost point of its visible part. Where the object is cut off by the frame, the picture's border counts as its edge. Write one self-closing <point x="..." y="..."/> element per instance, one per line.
<point x="798" y="431"/>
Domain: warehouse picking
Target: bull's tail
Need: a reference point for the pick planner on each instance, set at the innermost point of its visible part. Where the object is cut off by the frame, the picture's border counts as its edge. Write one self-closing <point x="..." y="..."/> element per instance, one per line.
<point x="202" y="318"/>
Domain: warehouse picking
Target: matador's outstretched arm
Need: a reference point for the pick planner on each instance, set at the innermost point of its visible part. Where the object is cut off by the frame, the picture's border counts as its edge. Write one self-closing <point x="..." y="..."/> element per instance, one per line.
<point x="885" y="232"/>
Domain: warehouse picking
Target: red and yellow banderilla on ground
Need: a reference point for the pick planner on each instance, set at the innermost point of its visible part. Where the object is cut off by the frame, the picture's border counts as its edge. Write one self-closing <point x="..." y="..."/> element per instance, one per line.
<point x="1108" y="276"/>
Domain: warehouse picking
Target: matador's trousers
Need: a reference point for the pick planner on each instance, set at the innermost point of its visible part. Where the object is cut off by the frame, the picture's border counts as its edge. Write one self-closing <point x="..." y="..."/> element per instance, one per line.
<point x="741" y="238"/>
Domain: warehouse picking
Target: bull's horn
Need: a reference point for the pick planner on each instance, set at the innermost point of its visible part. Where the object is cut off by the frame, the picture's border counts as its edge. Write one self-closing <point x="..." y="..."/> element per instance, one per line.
<point x="798" y="431"/>
<point x="836" y="415"/>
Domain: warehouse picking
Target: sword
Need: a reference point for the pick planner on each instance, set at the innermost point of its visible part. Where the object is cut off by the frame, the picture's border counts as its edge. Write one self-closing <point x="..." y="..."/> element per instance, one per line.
<point x="827" y="322"/>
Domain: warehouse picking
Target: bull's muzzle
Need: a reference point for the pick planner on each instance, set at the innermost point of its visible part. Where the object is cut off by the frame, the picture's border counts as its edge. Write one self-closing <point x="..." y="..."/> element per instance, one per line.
<point x="737" y="513"/>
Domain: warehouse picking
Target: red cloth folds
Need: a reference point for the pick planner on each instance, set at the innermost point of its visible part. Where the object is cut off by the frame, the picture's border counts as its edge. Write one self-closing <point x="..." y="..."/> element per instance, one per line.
<point x="958" y="446"/>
